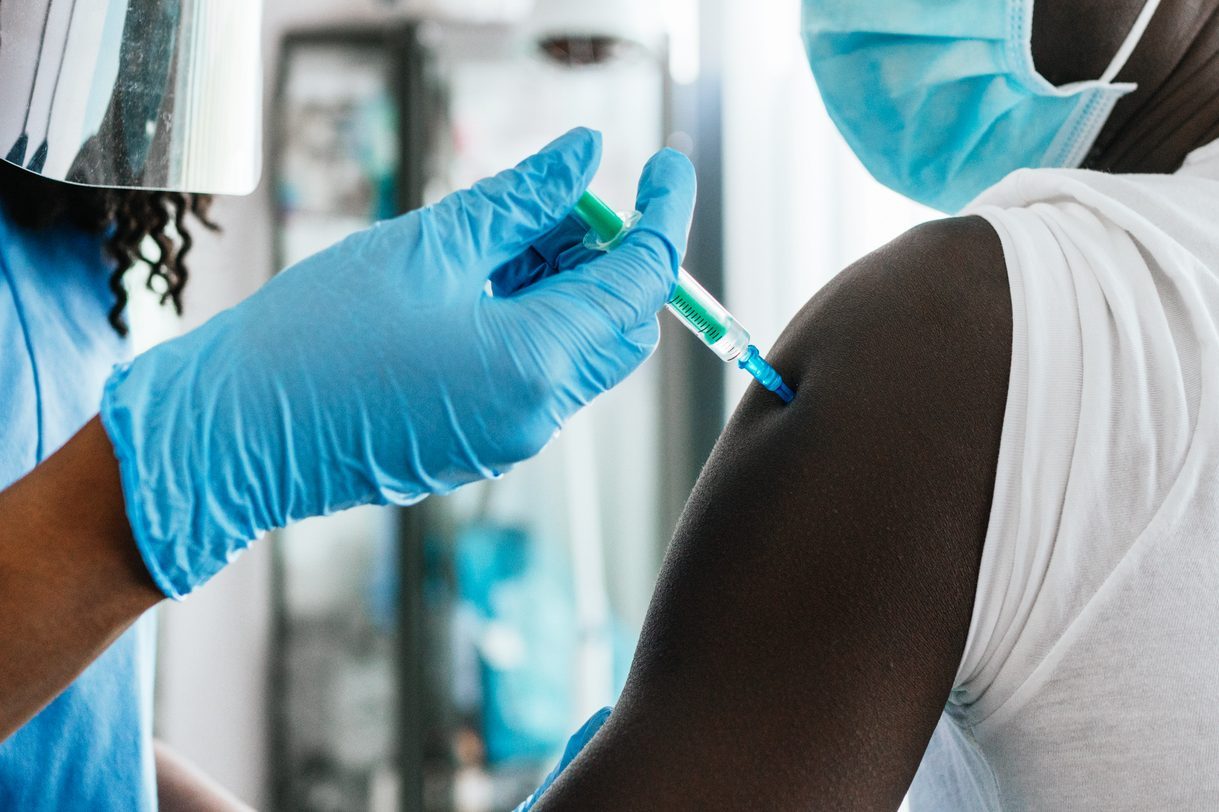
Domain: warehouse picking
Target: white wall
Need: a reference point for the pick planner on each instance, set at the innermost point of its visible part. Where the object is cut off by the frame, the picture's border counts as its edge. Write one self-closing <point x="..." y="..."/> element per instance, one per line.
<point x="799" y="206"/>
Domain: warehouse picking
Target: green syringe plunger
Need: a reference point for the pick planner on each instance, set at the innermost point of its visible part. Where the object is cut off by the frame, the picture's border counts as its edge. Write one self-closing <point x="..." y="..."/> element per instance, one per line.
<point x="691" y="303"/>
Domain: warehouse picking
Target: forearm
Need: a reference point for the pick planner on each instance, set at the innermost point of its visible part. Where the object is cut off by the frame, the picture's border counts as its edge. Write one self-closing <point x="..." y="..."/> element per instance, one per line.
<point x="71" y="578"/>
<point x="181" y="787"/>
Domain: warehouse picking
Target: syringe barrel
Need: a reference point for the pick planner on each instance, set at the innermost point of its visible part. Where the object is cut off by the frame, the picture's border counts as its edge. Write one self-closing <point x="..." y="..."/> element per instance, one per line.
<point x="697" y="309"/>
<point x="707" y="318"/>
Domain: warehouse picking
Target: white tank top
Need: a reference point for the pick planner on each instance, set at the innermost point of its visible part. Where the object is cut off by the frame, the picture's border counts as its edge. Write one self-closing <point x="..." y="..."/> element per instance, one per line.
<point x="1090" y="678"/>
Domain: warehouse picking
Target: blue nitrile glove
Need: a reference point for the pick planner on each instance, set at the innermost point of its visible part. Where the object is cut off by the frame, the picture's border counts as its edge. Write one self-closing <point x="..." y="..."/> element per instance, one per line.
<point x="575" y="745"/>
<point x="380" y="370"/>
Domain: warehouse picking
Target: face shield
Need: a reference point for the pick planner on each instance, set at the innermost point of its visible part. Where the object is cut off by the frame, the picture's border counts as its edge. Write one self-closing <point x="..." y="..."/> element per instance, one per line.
<point x="134" y="94"/>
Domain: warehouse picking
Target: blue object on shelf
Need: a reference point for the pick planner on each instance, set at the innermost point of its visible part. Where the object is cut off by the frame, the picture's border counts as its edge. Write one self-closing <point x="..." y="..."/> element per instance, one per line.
<point x="527" y="640"/>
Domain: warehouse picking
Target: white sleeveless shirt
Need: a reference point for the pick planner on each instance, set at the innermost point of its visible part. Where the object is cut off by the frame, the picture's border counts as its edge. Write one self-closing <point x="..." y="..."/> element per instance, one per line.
<point x="1090" y="679"/>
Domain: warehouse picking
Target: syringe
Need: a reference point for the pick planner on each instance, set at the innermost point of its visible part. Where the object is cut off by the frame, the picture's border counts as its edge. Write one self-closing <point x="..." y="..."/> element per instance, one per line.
<point x="697" y="309"/>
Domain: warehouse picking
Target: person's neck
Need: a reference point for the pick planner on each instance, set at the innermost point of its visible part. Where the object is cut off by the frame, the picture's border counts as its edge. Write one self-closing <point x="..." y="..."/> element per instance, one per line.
<point x="1176" y="107"/>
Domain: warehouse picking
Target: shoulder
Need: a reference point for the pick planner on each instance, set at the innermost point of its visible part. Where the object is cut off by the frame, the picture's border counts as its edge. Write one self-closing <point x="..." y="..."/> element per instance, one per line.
<point x="889" y="453"/>
<point x="909" y="349"/>
<point x="882" y="471"/>
<point x="879" y="477"/>
<point x="944" y="283"/>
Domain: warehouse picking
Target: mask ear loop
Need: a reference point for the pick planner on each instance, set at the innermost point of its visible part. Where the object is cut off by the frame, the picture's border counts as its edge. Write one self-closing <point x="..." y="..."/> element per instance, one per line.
<point x="1119" y="62"/>
<point x="1132" y="41"/>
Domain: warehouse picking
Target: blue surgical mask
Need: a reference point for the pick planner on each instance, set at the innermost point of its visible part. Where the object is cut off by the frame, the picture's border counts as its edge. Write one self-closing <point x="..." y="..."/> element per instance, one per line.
<point x="940" y="98"/>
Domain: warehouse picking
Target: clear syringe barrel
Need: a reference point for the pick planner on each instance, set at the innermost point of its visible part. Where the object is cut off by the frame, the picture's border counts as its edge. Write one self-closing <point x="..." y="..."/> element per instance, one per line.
<point x="707" y="318"/>
<point x="690" y="302"/>
<point x="697" y="309"/>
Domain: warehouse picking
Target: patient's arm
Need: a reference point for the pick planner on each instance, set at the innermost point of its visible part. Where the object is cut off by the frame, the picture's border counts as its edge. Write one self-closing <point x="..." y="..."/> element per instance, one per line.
<point x="815" y="601"/>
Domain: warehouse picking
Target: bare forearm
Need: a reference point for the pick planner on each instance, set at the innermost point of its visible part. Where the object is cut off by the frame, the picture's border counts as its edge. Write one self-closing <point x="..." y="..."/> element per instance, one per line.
<point x="182" y="787"/>
<point x="71" y="578"/>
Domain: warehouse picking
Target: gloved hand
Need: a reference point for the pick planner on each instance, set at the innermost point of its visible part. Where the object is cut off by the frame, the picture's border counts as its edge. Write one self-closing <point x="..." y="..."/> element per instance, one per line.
<point x="575" y="746"/>
<point x="380" y="370"/>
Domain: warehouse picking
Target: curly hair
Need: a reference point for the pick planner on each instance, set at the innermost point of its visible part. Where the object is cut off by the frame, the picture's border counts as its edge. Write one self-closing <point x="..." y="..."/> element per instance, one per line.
<point x="128" y="217"/>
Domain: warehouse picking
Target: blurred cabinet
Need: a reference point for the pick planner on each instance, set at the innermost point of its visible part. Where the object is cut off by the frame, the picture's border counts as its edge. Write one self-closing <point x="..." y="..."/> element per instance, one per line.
<point x="437" y="657"/>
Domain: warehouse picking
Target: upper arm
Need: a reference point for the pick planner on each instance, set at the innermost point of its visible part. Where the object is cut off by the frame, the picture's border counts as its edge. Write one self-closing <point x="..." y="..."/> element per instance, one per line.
<point x="814" y="604"/>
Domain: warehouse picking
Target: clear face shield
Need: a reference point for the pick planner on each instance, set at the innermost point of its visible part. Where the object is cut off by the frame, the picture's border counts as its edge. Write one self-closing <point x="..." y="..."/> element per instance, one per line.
<point x="134" y="94"/>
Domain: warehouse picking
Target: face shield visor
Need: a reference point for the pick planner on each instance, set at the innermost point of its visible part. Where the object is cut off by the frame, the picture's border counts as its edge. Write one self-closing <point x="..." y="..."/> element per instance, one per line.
<point x="133" y="94"/>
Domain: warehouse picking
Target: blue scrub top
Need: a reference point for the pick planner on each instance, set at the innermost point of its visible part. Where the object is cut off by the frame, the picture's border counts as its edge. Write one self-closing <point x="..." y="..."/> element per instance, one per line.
<point x="92" y="747"/>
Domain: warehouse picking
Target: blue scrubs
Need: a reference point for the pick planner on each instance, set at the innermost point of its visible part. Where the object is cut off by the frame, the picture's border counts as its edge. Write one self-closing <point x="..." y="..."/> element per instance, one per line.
<point x="92" y="747"/>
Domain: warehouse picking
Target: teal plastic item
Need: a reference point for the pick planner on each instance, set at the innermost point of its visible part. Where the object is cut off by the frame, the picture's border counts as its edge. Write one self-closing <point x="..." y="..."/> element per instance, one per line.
<point x="508" y="583"/>
<point x="691" y="303"/>
<point x="603" y="222"/>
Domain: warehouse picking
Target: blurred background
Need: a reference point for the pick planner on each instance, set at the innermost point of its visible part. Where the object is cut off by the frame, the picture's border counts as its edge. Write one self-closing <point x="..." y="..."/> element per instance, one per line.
<point x="436" y="658"/>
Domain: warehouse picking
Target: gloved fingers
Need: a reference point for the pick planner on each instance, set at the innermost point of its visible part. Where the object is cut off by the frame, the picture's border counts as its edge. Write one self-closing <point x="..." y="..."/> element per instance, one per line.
<point x="645" y="335"/>
<point x="668" y="189"/>
<point x="581" y="738"/>
<point x="520" y="272"/>
<point x="566" y="350"/>
<point x="562" y="247"/>
<point x="499" y="218"/>
<point x="632" y="282"/>
<point x="569" y="236"/>
<point x="575" y="746"/>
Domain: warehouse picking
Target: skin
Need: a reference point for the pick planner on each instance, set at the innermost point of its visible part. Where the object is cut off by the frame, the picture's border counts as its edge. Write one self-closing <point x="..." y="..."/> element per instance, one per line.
<point x="1175" y="109"/>
<point x="182" y="788"/>
<point x="801" y="644"/>
<point x="66" y="602"/>
<point x="800" y="648"/>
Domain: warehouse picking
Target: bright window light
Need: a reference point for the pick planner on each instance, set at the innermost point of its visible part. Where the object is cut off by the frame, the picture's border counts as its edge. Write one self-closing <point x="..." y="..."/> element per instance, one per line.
<point x="682" y="20"/>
